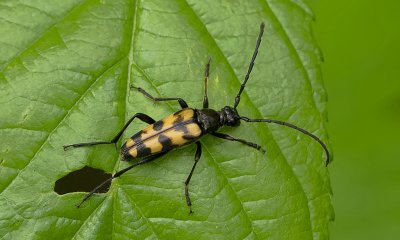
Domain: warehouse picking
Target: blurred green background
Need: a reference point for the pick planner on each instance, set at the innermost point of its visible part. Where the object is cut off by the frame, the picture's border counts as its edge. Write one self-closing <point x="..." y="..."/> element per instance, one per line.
<point x="360" y="41"/>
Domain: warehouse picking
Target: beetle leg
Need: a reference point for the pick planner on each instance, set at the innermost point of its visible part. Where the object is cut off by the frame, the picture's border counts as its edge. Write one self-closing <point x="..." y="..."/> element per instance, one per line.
<point x="230" y="138"/>
<point x="145" y="118"/>
<point x="206" y="74"/>
<point x="117" y="174"/>
<point x="196" y="159"/>
<point x="182" y="102"/>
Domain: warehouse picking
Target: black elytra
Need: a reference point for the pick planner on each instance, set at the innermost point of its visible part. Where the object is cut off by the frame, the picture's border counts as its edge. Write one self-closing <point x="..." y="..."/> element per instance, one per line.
<point x="185" y="127"/>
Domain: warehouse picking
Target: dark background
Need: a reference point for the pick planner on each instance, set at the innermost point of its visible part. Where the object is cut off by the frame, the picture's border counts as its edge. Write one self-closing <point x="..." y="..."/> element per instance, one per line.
<point x="361" y="44"/>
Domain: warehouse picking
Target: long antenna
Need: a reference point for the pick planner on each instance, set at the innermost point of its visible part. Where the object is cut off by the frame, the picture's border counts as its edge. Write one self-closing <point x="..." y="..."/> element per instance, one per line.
<point x="294" y="127"/>
<point x="237" y="98"/>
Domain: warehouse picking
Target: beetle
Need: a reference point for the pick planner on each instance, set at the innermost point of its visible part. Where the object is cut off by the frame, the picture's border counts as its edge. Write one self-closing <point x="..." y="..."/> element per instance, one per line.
<point x="185" y="127"/>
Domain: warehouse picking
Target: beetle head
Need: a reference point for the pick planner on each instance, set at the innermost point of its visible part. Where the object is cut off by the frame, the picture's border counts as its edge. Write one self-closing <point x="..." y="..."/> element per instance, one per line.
<point x="230" y="116"/>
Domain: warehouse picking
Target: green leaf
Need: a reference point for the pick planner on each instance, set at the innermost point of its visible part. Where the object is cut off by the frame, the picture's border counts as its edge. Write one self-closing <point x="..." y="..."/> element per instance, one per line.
<point x="65" y="71"/>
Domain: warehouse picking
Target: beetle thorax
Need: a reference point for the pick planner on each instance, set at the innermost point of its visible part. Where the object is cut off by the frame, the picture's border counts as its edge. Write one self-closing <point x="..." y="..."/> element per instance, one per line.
<point x="209" y="120"/>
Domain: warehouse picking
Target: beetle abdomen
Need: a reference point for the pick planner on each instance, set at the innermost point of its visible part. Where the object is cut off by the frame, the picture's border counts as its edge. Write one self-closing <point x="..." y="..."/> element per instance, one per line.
<point x="173" y="131"/>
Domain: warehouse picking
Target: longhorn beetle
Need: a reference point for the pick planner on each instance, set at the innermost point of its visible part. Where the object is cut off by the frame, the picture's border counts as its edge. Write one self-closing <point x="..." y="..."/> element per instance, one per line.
<point x="184" y="127"/>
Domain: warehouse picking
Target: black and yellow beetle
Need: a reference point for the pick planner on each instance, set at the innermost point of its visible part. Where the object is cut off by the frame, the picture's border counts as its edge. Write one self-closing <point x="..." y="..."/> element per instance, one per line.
<point x="184" y="127"/>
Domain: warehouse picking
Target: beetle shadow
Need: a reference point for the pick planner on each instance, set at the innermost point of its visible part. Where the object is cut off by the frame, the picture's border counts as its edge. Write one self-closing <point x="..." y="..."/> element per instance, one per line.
<point x="82" y="180"/>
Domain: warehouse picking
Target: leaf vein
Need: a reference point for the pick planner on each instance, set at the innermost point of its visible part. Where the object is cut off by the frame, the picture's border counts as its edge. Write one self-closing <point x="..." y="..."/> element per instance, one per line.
<point x="141" y="213"/>
<point x="289" y="44"/>
<point x="230" y="68"/>
<point x="61" y="121"/>
<point x="44" y="32"/>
